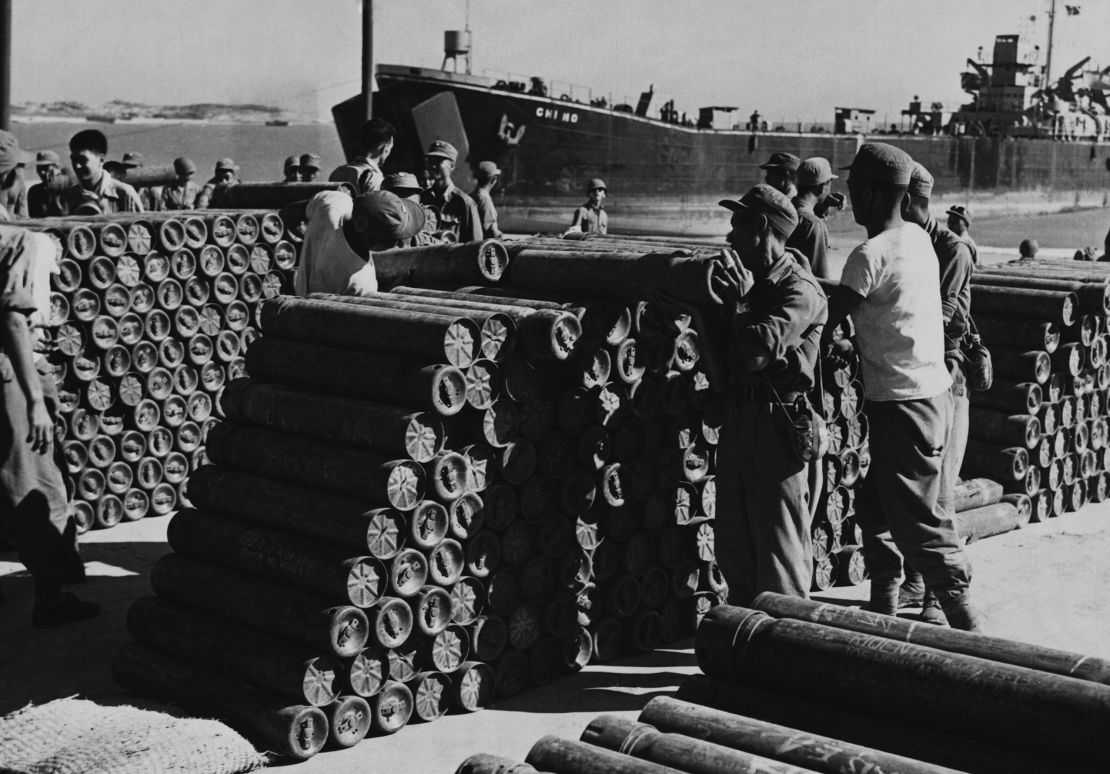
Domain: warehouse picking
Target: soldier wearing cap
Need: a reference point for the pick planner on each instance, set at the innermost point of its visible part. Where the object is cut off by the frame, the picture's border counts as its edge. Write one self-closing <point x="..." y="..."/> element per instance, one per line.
<point x="780" y="171"/>
<point x="406" y="186"/>
<point x="591" y="217"/>
<point x="488" y="175"/>
<point x="375" y="144"/>
<point x="811" y="238"/>
<point x="959" y="223"/>
<point x="95" y="185"/>
<point x="226" y="176"/>
<point x="46" y="199"/>
<point x="182" y="195"/>
<point x="309" y="167"/>
<point x="455" y="211"/>
<point x="342" y="234"/>
<point x="891" y="287"/>
<point x="34" y="510"/>
<point x="291" y="170"/>
<point x="956" y="267"/>
<point x="150" y="196"/>
<point x="776" y="312"/>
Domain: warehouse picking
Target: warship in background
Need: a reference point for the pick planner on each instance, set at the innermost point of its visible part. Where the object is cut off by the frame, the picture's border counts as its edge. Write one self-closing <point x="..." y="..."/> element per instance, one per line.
<point x="666" y="173"/>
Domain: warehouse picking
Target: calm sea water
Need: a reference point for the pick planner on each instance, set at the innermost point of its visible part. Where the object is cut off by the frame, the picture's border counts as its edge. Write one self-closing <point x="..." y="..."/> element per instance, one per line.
<point x="259" y="150"/>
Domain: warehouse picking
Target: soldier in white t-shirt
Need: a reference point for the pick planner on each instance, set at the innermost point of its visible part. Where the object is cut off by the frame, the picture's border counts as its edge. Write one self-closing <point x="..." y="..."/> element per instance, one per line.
<point x="891" y="288"/>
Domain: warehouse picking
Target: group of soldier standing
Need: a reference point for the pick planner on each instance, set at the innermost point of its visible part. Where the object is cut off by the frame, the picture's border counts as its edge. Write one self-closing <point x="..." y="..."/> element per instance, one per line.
<point x="906" y="288"/>
<point x="907" y="291"/>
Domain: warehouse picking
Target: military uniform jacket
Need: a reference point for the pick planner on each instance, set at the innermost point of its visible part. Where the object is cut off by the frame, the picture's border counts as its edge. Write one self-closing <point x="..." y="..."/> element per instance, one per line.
<point x="455" y="212"/>
<point x="956" y="268"/>
<point x="782" y="316"/>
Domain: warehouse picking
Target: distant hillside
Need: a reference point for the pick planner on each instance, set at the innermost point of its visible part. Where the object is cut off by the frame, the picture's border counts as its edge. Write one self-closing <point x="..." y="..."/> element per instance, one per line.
<point x="123" y="111"/>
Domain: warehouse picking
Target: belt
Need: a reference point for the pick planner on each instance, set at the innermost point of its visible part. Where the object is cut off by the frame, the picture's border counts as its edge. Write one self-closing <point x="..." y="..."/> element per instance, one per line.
<point x="753" y="393"/>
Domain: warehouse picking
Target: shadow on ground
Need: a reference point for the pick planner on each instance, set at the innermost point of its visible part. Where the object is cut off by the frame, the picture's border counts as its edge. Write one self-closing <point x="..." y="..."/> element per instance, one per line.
<point x="38" y="665"/>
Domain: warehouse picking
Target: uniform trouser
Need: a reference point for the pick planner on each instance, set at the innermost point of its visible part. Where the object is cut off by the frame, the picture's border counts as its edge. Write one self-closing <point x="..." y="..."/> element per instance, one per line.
<point x="34" y="512"/>
<point x="762" y="527"/>
<point x="955" y="445"/>
<point x="900" y="508"/>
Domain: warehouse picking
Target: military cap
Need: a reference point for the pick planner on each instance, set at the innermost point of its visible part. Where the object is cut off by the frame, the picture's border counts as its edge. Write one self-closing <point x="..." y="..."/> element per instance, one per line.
<point x="184" y="166"/>
<point x="959" y="211"/>
<point x="488" y="168"/>
<point x="595" y="183"/>
<point x="226" y="164"/>
<point x="443" y="149"/>
<point x="921" y="182"/>
<point x="386" y="217"/>
<point x="310" y="160"/>
<point x="764" y="200"/>
<point x="882" y="163"/>
<point x="815" y="171"/>
<point x="401" y="183"/>
<point x="787" y="161"/>
<point x="46" y="158"/>
<point x="132" y="159"/>
<point x="291" y="162"/>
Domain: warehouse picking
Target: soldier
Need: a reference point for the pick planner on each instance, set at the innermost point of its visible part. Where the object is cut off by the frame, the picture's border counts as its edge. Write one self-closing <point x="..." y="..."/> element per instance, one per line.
<point x="226" y="176"/>
<point x="488" y="175"/>
<point x="309" y="167"/>
<point x="291" y="170"/>
<point x="780" y="171"/>
<point x="150" y="196"/>
<point x="455" y="211"/>
<point x="776" y="312"/>
<point x="34" y="512"/>
<point x="342" y="234"/>
<point x="41" y="202"/>
<point x="182" y="195"/>
<point x="591" y="217"/>
<point x="87" y="150"/>
<point x="406" y="186"/>
<point x="375" y="145"/>
<point x="811" y="237"/>
<point x="956" y="267"/>
<point x="891" y="287"/>
<point x="959" y="223"/>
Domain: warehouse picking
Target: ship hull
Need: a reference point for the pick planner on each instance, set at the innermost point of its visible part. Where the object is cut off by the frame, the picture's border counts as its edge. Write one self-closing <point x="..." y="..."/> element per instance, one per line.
<point x="665" y="177"/>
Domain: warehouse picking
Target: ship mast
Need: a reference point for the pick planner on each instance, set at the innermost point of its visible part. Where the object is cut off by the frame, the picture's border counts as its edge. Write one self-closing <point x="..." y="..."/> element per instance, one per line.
<point x="1048" y="54"/>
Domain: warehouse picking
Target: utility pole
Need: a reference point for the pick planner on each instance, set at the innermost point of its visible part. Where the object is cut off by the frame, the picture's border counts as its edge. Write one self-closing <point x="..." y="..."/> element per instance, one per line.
<point x="367" y="58"/>
<point x="5" y="64"/>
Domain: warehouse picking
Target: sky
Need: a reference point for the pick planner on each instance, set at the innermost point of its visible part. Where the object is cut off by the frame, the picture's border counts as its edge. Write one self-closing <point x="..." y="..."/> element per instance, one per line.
<point x="793" y="60"/>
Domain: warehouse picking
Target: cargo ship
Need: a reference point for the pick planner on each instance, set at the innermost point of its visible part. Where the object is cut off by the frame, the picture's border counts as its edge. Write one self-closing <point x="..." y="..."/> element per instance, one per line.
<point x="665" y="172"/>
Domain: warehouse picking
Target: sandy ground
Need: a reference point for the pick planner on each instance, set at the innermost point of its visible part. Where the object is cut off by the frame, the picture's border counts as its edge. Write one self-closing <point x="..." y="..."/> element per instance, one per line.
<point x="1044" y="584"/>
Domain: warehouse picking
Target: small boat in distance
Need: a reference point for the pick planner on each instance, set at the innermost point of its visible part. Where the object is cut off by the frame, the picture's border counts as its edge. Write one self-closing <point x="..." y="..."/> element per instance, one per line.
<point x="277" y="122"/>
<point x="101" y="119"/>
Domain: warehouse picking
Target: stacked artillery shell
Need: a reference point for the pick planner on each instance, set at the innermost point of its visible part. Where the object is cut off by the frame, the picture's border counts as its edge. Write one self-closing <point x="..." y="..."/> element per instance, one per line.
<point x="1042" y="429"/>
<point x="837" y="557"/>
<point x="151" y="314"/>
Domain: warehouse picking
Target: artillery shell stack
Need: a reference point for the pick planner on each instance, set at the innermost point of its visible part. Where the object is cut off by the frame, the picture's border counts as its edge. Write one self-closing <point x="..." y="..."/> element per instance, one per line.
<point x="152" y="313"/>
<point x="1042" y="429"/>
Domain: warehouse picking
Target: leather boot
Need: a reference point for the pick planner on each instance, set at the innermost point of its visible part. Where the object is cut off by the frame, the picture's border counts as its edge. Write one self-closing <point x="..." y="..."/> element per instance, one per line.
<point x="884" y="598"/>
<point x="931" y="612"/>
<point x="961" y="615"/>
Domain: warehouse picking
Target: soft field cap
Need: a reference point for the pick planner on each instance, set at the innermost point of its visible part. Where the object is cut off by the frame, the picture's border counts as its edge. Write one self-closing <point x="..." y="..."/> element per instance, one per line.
<point x="815" y="171"/>
<point x="401" y="181"/>
<point x="921" y="182"/>
<point x="787" y="161"/>
<point x="184" y="166"/>
<point x="882" y="163"/>
<point x="961" y="212"/>
<point x="443" y="149"/>
<point x="764" y="200"/>
<point x="596" y="183"/>
<point x="386" y="216"/>
<point x="227" y="164"/>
